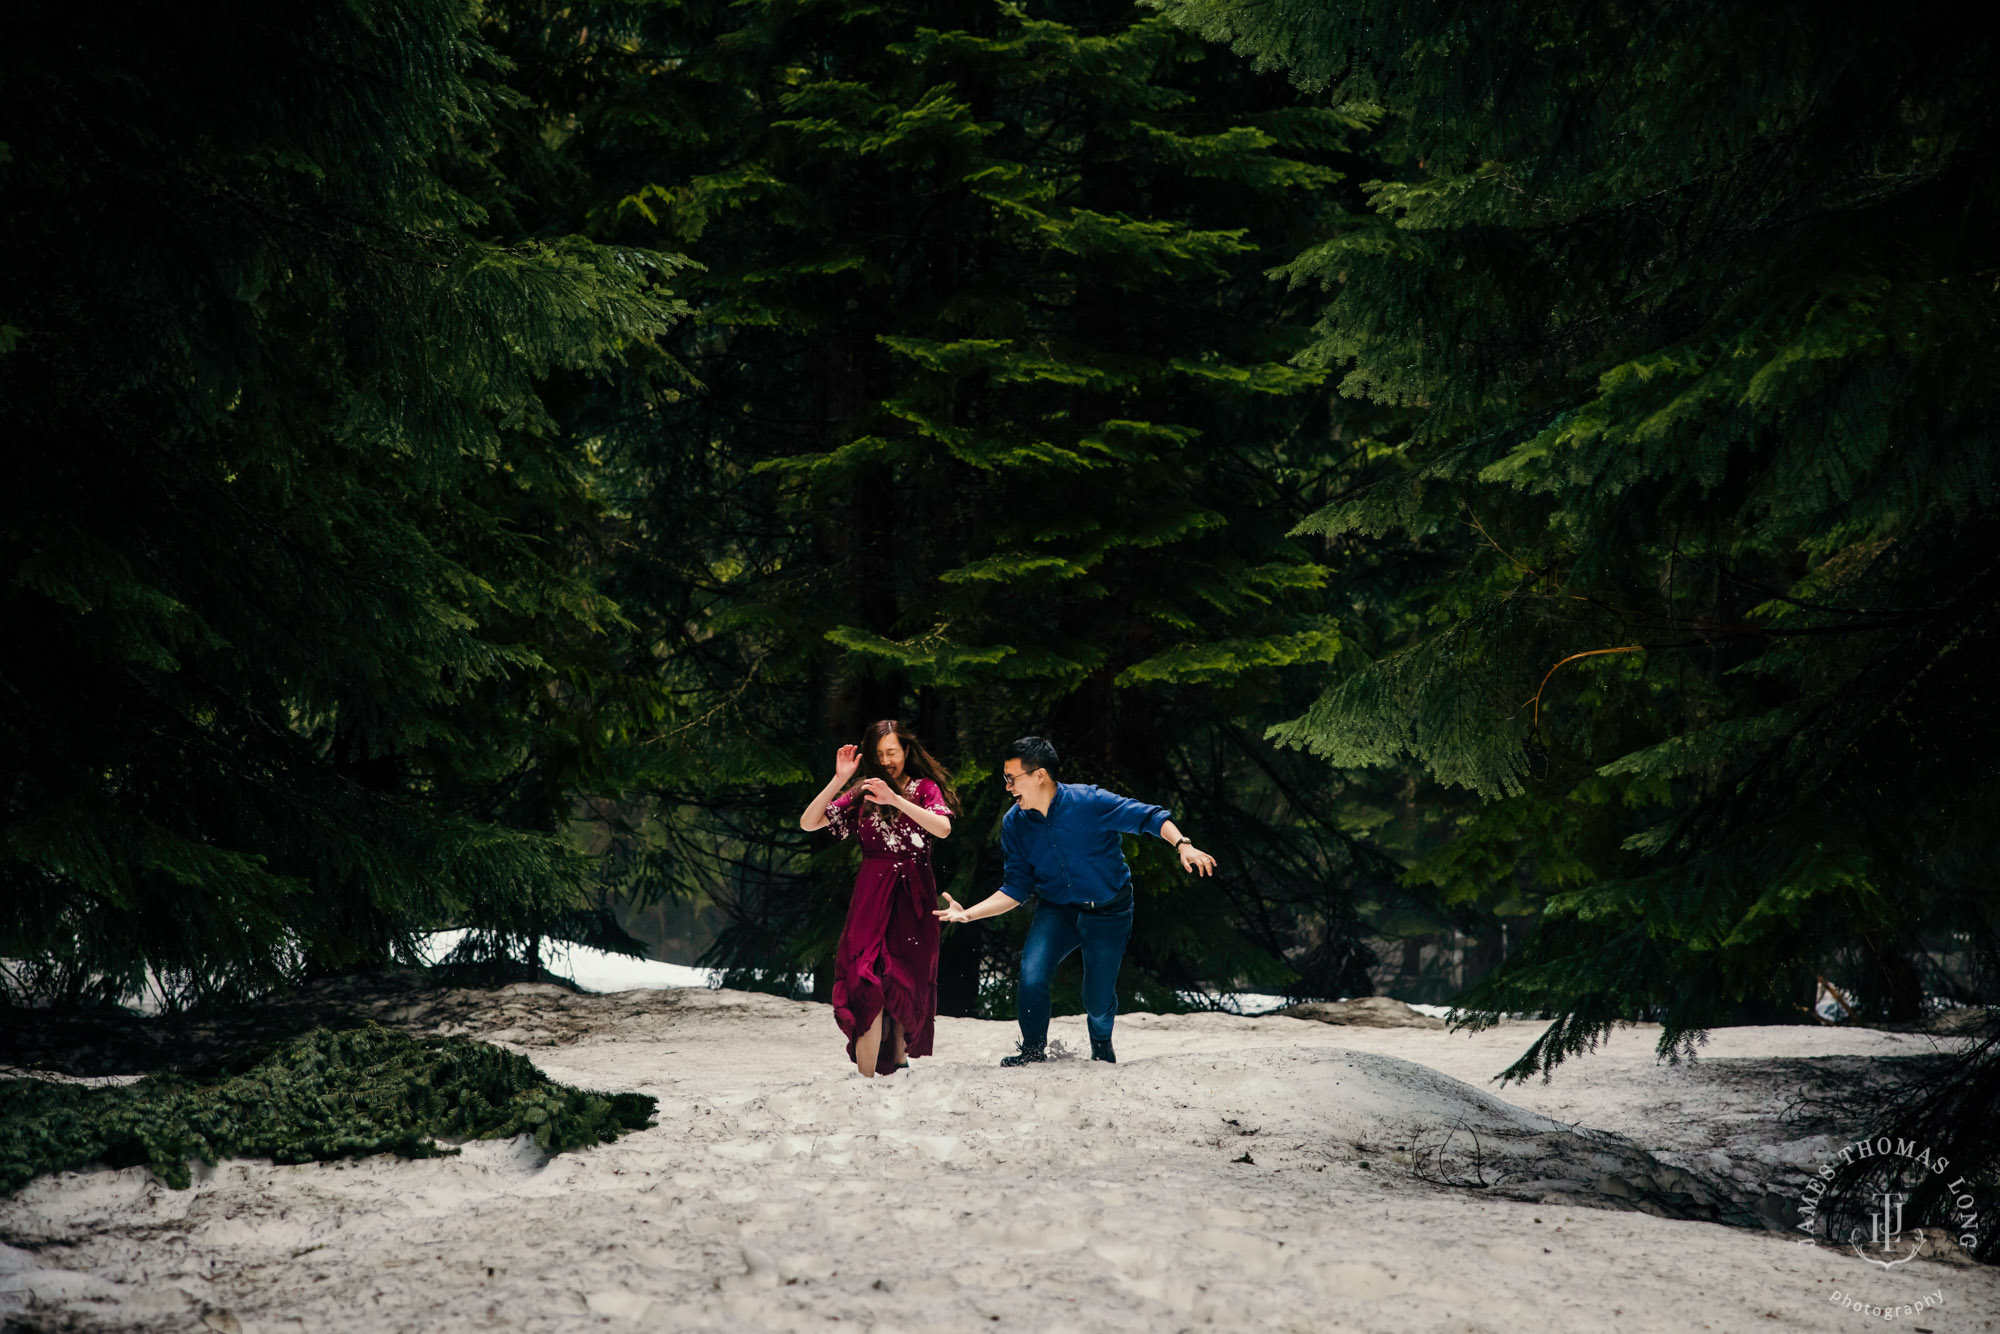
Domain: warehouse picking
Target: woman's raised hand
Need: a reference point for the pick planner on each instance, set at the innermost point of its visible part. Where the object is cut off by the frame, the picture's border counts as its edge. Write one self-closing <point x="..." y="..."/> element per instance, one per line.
<point x="879" y="792"/>
<point x="845" y="761"/>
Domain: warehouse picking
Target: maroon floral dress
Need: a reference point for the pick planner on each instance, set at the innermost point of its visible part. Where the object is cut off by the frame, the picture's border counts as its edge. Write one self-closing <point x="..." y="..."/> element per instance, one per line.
<point x="888" y="956"/>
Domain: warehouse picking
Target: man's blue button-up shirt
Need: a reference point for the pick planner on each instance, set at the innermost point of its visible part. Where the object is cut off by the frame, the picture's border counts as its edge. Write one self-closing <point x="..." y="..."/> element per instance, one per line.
<point x="1073" y="854"/>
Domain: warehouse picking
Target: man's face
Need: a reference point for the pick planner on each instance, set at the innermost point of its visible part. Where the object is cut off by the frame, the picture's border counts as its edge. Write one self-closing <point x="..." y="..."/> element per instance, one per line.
<point x="1020" y="781"/>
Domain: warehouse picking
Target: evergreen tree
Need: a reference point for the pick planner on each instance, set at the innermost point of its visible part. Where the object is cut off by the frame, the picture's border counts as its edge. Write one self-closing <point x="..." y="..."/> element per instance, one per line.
<point x="1694" y="307"/>
<point x="301" y="657"/>
<point x="995" y="431"/>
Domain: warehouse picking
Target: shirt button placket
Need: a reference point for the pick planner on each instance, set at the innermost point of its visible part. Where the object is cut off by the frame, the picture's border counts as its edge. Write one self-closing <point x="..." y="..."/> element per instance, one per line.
<point x="1068" y="879"/>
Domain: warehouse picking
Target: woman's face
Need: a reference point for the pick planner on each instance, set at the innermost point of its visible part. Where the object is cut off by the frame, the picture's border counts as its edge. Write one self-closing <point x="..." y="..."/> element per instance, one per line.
<point x="889" y="754"/>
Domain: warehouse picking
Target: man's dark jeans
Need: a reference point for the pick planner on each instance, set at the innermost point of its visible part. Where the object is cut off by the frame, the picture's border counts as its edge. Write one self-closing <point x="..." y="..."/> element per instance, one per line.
<point x="1058" y="931"/>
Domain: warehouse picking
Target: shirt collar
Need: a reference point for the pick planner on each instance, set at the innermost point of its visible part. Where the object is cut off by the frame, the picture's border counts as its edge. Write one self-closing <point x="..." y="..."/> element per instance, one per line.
<point x="1054" y="803"/>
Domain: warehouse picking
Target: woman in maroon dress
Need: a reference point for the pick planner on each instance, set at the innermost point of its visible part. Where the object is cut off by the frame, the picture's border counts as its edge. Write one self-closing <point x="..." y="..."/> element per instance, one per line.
<point x="885" y="973"/>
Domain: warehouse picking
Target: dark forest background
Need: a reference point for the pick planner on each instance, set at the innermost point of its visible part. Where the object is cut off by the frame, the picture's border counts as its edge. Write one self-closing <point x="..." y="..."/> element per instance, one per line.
<point x="1517" y="480"/>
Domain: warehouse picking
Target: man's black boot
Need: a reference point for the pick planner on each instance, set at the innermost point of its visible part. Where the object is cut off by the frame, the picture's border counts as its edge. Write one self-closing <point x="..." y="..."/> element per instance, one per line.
<point x="1026" y="1056"/>
<point x="1100" y="1050"/>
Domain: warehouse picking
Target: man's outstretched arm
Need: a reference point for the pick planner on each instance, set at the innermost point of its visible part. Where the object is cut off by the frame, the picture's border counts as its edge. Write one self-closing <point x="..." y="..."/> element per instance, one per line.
<point x="1137" y="817"/>
<point x="1015" y="875"/>
<point x="991" y="906"/>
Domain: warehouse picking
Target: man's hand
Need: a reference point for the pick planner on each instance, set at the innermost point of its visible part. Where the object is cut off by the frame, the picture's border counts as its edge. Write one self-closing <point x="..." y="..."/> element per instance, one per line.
<point x="954" y="913"/>
<point x="1194" y="859"/>
<point x="845" y="761"/>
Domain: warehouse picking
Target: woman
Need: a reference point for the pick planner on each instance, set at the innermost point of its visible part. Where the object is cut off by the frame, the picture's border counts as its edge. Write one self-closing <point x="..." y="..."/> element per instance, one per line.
<point x="885" y="974"/>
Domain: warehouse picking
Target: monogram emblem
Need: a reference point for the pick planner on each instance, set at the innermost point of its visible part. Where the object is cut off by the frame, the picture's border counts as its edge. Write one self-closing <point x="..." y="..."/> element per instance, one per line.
<point x="1885" y="1230"/>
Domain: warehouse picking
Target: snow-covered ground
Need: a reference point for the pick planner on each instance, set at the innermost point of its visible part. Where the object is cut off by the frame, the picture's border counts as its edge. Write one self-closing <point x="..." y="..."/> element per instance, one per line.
<point x="1230" y="1173"/>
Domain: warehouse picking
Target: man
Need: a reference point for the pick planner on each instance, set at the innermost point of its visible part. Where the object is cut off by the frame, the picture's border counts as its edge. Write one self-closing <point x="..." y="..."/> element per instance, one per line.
<point x="1061" y="842"/>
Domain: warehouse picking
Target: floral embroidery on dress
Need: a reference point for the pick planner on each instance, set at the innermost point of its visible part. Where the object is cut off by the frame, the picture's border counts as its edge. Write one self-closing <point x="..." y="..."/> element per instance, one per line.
<point x="888" y="828"/>
<point x="894" y="827"/>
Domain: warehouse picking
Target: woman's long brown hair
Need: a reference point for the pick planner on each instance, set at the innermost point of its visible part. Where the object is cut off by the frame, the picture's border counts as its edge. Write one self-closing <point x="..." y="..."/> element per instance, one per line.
<point x="917" y="762"/>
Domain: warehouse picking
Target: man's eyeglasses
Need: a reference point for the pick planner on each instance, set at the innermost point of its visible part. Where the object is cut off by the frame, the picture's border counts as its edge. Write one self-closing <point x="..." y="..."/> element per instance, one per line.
<point x="1007" y="780"/>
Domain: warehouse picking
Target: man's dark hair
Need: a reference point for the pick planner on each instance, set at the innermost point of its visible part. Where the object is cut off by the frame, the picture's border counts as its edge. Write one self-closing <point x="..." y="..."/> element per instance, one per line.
<point x="1033" y="752"/>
